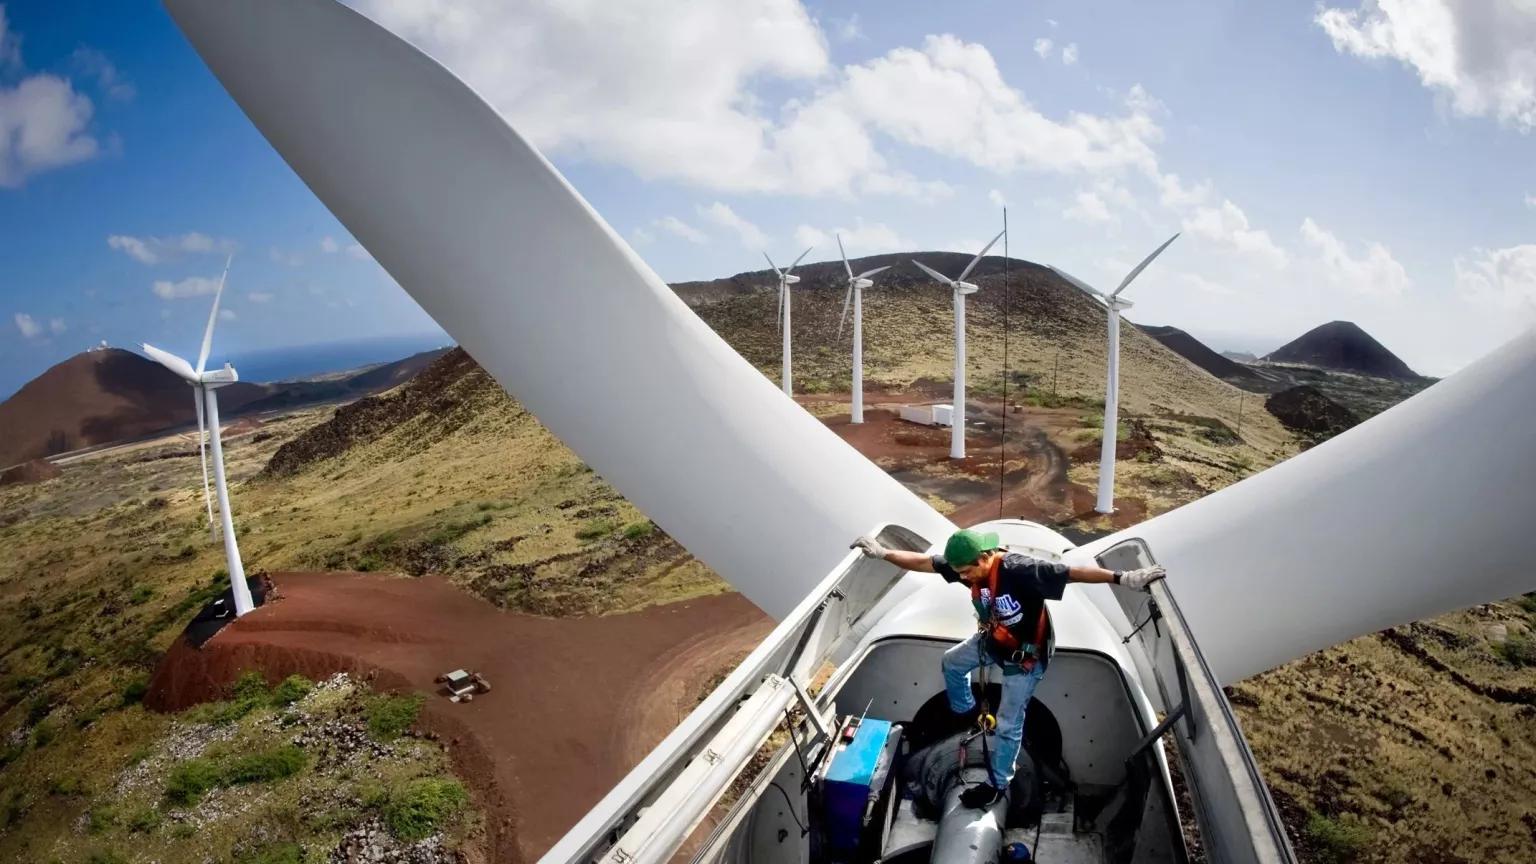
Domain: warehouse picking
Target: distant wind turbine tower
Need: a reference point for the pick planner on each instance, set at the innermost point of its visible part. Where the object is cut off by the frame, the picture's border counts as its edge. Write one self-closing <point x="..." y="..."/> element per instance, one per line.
<point x="856" y="286"/>
<point x="961" y="288"/>
<point x="1114" y="303"/>
<point x="786" y="279"/>
<point x="204" y="391"/>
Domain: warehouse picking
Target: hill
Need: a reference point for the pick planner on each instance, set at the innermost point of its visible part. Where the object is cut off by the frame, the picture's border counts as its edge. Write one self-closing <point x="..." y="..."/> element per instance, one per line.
<point x="108" y="395"/>
<point x="1344" y="347"/>
<point x="98" y="397"/>
<point x="1198" y="353"/>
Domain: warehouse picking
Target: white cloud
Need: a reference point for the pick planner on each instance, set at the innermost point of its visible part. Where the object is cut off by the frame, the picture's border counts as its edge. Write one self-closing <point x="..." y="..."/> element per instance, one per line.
<point x="328" y="245"/>
<point x="847" y="29"/>
<point x="29" y="328"/>
<point x="56" y="326"/>
<point x="1200" y="283"/>
<point x="356" y="250"/>
<point x="1176" y="196"/>
<point x="192" y="286"/>
<point x="1227" y="226"/>
<point x="1089" y="208"/>
<point x="642" y="237"/>
<point x="679" y="228"/>
<point x="1504" y="278"/>
<point x="10" y="44"/>
<point x="259" y="297"/>
<point x="1376" y="274"/>
<point x="1480" y="55"/>
<point x="43" y="125"/>
<point x="996" y="197"/>
<point x="751" y="236"/>
<point x="864" y="238"/>
<point x="152" y="250"/>
<point x="227" y="315"/>
<point x="1043" y="47"/>
<point x="93" y="63"/>
<point x="1069" y="54"/>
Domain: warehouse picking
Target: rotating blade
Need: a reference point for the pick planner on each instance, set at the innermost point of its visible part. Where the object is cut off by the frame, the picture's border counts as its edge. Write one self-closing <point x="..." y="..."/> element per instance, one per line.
<point x="846" y="298"/>
<point x="840" y="251"/>
<point x="1142" y="266"/>
<point x="1079" y="284"/>
<point x="202" y="454"/>
<point x="798" y="260"/>
<point x="171" y="362"/>
<point x="868" y="273"/>
<point x="213" y="316"/>
<point x="979" y="255"/>
<point x="934" y="273"/>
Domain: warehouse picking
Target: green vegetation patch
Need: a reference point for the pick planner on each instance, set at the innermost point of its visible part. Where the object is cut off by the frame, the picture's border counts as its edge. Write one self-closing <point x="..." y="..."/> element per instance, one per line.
<point x="1337" y="841"/>
<point x="1519" y="650"/>
<point x="415" y="808"/>
<point x="389" y="716"/>
<point x="292" y="689"/>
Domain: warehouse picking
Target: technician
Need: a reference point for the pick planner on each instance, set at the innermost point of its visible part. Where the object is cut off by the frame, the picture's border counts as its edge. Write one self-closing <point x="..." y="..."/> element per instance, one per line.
<point x="1009" y="591"/>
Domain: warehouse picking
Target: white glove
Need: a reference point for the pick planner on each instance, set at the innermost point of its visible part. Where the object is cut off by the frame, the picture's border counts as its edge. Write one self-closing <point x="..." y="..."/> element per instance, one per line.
<point x="869" y="546"/>
<point x="1139" y="579"/>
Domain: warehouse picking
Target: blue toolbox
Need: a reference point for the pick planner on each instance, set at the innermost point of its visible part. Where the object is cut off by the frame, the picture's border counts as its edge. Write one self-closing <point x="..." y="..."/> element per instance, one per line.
<point x="856" y="776"/>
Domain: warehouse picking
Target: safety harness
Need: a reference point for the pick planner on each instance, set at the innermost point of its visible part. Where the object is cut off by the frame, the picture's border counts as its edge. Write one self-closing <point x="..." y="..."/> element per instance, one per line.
<point x="1026" y="656"/>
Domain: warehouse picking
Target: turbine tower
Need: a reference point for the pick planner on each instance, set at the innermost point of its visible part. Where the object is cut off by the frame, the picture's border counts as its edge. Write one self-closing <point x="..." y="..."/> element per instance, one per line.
<point x="786" y="279"/>
<point x="960" y="287"/>
<point x="204" y="393"/>
<point x="1114" y="303"/>
<point x="856" y="286"/>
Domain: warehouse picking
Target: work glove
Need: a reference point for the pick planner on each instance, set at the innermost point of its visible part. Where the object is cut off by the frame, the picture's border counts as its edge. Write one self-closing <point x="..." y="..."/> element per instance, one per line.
<point x="1139" y="579"/>
<point x="869" y="546"/>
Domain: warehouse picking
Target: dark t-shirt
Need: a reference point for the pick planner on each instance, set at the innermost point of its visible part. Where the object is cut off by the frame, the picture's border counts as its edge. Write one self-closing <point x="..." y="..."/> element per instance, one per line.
<point x="1023" y="586"/>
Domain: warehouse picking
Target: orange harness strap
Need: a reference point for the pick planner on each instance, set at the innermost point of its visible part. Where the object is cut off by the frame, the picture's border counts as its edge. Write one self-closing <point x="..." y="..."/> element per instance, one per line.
<point x="1003" y="636"/>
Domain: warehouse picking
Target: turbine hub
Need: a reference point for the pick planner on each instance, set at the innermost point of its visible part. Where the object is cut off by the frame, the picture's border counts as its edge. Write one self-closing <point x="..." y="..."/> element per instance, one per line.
<point x="966" y="288"/>
<point x="790" y="280"/>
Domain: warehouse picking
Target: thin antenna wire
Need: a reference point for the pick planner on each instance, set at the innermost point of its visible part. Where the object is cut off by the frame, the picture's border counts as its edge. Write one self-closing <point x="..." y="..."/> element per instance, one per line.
<point x="1002" y="445"/>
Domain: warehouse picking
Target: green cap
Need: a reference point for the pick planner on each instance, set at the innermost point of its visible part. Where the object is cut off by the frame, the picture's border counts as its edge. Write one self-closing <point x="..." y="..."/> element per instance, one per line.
<point x="965" y="547"/>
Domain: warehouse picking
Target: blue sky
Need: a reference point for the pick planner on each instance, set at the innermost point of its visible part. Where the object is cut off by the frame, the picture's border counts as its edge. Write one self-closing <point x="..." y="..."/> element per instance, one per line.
<point x="1341" y="160"/>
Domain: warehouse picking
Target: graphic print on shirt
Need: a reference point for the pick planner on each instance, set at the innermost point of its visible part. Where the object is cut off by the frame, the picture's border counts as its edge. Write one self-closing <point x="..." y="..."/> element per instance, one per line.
<point x="1009" y="611"/>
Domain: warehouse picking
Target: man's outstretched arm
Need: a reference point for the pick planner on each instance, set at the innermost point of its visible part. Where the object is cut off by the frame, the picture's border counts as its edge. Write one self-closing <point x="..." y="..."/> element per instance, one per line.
<point x="901" y="558"/>
<point x="1137" y="579"/>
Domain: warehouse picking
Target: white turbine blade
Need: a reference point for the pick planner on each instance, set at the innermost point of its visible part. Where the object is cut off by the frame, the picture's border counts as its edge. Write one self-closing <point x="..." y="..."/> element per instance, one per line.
<point x="170" y="361"/>
<point x="798" y="260"/>
<point x="213" y="316"/>
<point x="867" y="273"/>
<point x="1078" y="283"/>
<point x="708" y="448"/>
<point x="1344" y="540"/>
<point x="934" y="273"/>
<point x="980" y="255"/>
<point x="846" y="299"/>
<point x="780" y="326"/>
<point x="1142" y="266"/>
<point x="840" y="251"/>
<point x="202" y="454"/>
<point x="774" y="266"/>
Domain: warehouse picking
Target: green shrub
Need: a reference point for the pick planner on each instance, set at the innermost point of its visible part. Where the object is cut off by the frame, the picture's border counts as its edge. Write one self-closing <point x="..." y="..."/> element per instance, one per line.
<point x="264" y="766"/>
<point x="595" y="529"/>
<point x="141" y="595"/>
<point x="390" y="716"/>
<point x="281" y="853"/>
<point x="1528" y="602"/>
<point x="416" y="808"/>
<point x="68" y="784"/>
<point x="636" y="530"/>
<point x="105" y="856"/>
<point x="1519" y="650"/>
<point x="250" y="685"/>
<point x="1336" y="841"/>
<point x="144" y="820"/>
<point x="99" y="819"/>
<point x="133" y="691"/>
<point x="190" y="779"/>
<point x="44" y="733"/>
<point x="292" y="689"/>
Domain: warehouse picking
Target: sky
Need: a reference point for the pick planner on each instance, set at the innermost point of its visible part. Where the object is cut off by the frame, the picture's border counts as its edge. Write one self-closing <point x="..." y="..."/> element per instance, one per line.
<point x="1366" y="160"/>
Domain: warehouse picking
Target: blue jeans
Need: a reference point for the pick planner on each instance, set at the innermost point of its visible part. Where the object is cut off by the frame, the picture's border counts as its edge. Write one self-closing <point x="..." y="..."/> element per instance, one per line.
<point x="1018" y="688"/>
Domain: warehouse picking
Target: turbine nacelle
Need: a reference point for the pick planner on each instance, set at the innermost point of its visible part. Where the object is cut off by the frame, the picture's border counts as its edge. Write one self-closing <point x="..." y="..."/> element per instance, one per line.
<point x="790" y="279"/>
<point x="964" y="287"/>
<point x="861" y="284"/>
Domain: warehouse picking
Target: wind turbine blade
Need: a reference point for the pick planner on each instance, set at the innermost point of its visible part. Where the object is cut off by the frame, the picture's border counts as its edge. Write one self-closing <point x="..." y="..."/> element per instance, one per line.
<point x="1142" y="266"/>
<point x="840" y="251"/>
<point x="170" y="361"/>
<point x="780" y="326"/>
<point x="846" y="299"/>
<point x="980" y="255"/>
<point x="867" y="273"/>
<point x="213" y="315"/>
<point x="1078" y="283"/>
<point x="1243" y="560"/>
<point x="712" y="449"/>
<point x="934" y="273"/>
<point x="798" y="260"/>
<point x="774" y="266"/>
<point x="202" y="454"/>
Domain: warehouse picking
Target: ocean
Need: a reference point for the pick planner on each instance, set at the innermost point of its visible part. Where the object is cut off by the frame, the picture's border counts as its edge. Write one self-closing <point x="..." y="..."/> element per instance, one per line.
<point x="287" y="364"/>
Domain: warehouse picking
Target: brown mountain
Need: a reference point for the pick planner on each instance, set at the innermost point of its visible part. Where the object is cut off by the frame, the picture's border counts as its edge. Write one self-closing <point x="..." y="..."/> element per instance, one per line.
<point x="108" y="395"/>
<point x="97" y="397"/>
<point x="1344" y="347"/>
<point x="1198" y="353"/>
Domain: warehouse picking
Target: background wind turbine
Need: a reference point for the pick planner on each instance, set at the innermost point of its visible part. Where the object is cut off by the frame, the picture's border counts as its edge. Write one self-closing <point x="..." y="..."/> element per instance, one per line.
<point x="786" y="279"/>
<point x="960" y="287"/>
<point x="204" y="392"/>
<point x="1114" y="303"/>
<point x="856" y="286"/>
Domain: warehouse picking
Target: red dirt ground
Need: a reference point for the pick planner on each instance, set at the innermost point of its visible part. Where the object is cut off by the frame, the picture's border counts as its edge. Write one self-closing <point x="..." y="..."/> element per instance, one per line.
<point x="575" y="703"/>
